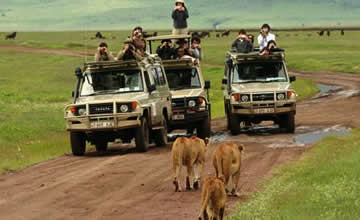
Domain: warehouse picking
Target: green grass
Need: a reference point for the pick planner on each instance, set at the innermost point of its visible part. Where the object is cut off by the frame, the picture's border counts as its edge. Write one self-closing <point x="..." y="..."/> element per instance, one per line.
<point x="33" y="94"/>
<point x="113" y="14"/>
<point x="324" y="184"/>
<point x="305" y="51"/>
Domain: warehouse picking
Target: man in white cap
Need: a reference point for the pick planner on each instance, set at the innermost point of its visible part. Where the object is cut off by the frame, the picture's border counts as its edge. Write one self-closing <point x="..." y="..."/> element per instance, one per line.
<point x="180" y="14"/>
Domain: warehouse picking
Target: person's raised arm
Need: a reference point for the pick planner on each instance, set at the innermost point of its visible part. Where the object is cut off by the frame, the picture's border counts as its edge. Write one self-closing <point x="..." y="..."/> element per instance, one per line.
<point x="186" y="12"/>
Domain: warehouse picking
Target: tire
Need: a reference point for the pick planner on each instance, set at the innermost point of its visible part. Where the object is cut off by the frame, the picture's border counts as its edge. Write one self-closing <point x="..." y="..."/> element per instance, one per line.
<point x="287" y="122"/>
<point x="160" y="136"/>
<point x="227" y="117"/>
<point x="78" y="143"/>
<point x="234" y="123"/>
<point x="101" y="146"/>
<point x="290" y="122"/>
<point x="142" y="136"/>
<point x="204" y="130"/>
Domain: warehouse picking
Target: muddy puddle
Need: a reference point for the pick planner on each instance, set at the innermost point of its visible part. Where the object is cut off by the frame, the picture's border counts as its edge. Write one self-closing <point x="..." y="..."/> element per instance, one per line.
<point x="273" y="137"/>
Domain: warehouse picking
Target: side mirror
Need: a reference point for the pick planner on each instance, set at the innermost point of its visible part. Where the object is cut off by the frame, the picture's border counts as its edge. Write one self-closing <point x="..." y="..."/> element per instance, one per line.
<point x="151" y="88"/>
<point x="78" y="72"/>
<point x="207" y="84"/>
<point x="224" y="81"/>
<point x="73" y="94"/>
<point x="292" y="78"/>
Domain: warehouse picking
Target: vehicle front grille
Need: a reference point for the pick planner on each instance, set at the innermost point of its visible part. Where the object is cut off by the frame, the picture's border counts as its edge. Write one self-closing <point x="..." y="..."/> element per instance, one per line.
<point x="106" y="108"/>
<point x="178" y="103"/>
<point x="263" y="97"/>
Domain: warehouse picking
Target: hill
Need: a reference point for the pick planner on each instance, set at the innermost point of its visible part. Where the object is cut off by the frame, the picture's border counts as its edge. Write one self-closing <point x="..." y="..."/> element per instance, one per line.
<point x="155" y="14"/>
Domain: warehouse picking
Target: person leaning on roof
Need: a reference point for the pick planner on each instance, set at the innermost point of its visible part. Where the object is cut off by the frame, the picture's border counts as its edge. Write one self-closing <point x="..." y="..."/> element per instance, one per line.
<point x="103" y="54"/>
<point x="165" y="50"/>
<point x="265" y="36"/>
<point x="242" y="43"/>
<point x="179" y="15"/>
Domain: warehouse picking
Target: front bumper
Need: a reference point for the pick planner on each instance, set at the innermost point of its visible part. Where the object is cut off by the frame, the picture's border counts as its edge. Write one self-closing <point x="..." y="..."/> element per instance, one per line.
<point x="184" y="118"/>
<point x="106" y="122"/>
<point x="263" y="109"/>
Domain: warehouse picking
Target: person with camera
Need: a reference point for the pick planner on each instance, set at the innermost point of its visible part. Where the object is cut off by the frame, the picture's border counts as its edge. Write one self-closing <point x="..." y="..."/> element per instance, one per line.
<point x="103" y="54"/>
<point x="265" y="36"/>
<point x="242" y="43"/>
<point x="165" y="50"/>
<point x="195" y="49"/>
<point x="179" y="15"/>
<point x="134" y="47"/>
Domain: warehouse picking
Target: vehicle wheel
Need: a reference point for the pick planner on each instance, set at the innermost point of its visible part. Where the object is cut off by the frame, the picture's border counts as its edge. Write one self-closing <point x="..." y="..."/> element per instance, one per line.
<point x="204" y="130"/>
<point x="160" y="136"/>
<point x="142" y="136"/>
<point x="227" y="118"/>
<point x="287" y="122"/>
<point x="234" y="123"/>
<point x="78" y="143"/>
<point x="290" y="122"/>
<point x="101" y="145"/>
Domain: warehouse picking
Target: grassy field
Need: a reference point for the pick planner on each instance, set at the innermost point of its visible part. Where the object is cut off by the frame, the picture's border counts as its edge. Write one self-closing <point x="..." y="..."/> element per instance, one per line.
<point x="112" y="14"/>
<point x="305" y="51"/>
<point x="33" y="92"/>
<point x="324" y="184"/>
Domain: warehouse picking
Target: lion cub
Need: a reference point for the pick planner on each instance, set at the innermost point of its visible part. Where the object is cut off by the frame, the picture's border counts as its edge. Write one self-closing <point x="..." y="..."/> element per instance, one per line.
<point x="227" y="163"/>
<point x="188" y="152"/>
<point x="213" y="199"/>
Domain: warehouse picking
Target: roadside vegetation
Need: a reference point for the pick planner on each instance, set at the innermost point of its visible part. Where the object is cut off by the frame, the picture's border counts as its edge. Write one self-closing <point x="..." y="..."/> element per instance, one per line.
<point x="324" y="184"/>
<point x="33" y="91"/>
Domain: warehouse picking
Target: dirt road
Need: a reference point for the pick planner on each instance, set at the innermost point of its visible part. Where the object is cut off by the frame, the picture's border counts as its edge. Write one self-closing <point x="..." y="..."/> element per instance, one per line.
<point x="126" y="185"/>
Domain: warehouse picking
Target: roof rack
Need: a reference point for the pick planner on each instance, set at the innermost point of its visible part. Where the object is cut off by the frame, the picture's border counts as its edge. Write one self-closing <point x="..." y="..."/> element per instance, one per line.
<point x="179" y="62"/>
<point x="255" y="56"/>
<point x="168" y="37"/>
<point x="120" y="64"/>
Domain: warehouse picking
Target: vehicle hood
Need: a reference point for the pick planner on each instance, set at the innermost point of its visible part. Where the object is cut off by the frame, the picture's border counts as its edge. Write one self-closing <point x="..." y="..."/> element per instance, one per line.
<point x="121" y="97"/>
<point x="260" y="87"/>
<point x="186" y="93"/>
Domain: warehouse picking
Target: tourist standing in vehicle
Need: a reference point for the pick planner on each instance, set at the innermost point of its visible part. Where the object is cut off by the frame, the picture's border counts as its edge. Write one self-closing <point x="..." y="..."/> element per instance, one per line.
<point x="242" y="43"/>
<point x="134" y="48"/>
<point x="195" y="49"/>
<point x="103" y="54"/>
<point x="265" y="36"/>
<point x="179" y="15"/>
<point x="165" y="50"/>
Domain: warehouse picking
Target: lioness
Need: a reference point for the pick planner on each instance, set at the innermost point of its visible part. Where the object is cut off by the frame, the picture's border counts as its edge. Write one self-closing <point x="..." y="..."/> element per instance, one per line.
<point x="227" y="163"/>
<point x="213" y="199"/>
<point x="189" y="152"/>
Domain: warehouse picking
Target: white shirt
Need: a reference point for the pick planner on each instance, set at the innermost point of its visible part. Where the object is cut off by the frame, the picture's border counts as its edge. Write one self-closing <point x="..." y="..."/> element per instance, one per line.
<point x="264" y="41"/>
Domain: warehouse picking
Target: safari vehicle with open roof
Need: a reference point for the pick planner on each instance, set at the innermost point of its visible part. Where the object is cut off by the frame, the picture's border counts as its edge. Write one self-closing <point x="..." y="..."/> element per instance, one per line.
<point x="119" y="100"/>
<point x="190" y="99"/>
<point x="258" y="88"/>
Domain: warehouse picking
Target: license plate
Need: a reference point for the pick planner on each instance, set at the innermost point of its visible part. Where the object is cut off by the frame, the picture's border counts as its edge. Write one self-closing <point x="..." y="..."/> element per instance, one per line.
<point x="102" y="124"/>
<point x="264" y="110"/>
<point x="179" y="117"/>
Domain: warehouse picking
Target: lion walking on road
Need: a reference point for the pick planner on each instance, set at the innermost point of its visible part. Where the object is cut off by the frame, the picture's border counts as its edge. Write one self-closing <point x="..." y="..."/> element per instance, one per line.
<point x="191" y="153"/>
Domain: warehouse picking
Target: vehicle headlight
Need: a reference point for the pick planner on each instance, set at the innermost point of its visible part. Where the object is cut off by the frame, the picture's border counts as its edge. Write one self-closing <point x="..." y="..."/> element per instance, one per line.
<point x="124" y="108"/>
<point x="244" y="98"/>
<point x="280" y="96"/>
<point x="192" y="103"/>
<point x="82" y="111"/>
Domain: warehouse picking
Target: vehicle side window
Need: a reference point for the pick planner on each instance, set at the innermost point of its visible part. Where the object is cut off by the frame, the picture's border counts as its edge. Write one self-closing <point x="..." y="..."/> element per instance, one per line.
<point x="156" y="77"/>
<point x="148" y="79"/>
<point x="161" y="75"/>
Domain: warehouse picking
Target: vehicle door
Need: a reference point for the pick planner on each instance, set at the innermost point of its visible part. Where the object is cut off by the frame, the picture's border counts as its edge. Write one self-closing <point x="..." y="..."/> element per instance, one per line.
<point x="163" y="88"/>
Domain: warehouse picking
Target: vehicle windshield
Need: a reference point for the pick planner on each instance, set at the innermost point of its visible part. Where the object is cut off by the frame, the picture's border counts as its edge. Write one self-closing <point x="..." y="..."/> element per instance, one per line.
<point x="111" y="82"/>
<point x="259" y="72"/>
<point x="183" y="78"/>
